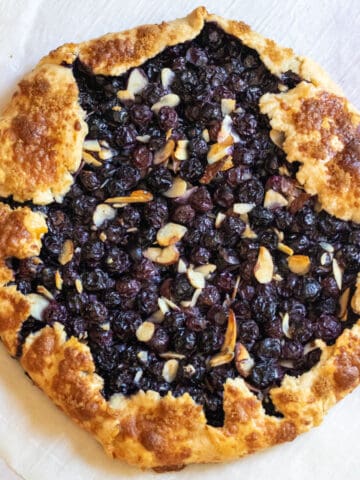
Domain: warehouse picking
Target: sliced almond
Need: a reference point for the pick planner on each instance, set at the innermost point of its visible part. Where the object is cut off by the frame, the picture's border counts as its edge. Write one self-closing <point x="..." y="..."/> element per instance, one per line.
<point x="58" y="280"/>
<point x="327" y="247"/>
<point x="44" y="291"/>
<point x="164" y="256"/>
<point x="227" y="130"/>
<point x="170" y="370"/>
<point x="264" y="267"/>
<point x="241" y="208"/>
<point x="248" y="232"/>
<point x="196" y="279"/>
<point x="145" y="331"/>
<point x="143" y="356"/>
<point x="277" y="137"/>
<point x="189" y="369"/>
<point x="338" y="274"/>
<point x="274" y="199"/>
<point x="325" y="258"/>
<point x="102" y="213"/>
<point x="227" y="105"/>
<point x="236" y="287"/>
<point x="156" y="317"/>
<point x="181" y="150"/>
<point x="299" y="264"/>
<point x="167" y="77"/>
<point x="171" y="304"/>
<point x="67" y="252"/>
<point x="206" y="270"/>
<point x="244" y="363"/>
<point x="195" y="297"/>
<point x="170" y="234"/>
<point x="143" y="138"/>
<point x="212" y="170"/>
<point x="230" y="334"/>
<point x="205" y="135"/>
<point x="137" y="196"/>
<point x="227" y="164"/>
<point x="355" y="301"/>
<point x="125" y="95"/>
<point x="220" y="150"/>
<point x="138" y="376"/>
<point x="285" y="325"/>
<point x="79" y="285"/>
<point x="220" y="217"/>
<point x="221" y="358"/>
<point x="285" y="249"/>
<point x="182" y="267"/>
<point x="164" y="153"/>
<point x="168" y="355"/>
<point x="177" y="189"/>
<point x="90" y="159"/>
<point x="38" y="304"/>
<point x="106" y="154"/>
<point x="163" y="306"/>
<point x="343" y="304"/>
<point x="92" y="146"/>
<point x="137" y="81"/>
<point x="169" y="100"/>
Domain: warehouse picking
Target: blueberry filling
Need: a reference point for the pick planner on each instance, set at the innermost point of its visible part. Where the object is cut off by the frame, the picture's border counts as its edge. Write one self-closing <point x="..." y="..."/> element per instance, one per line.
<point x="184" y="213"/>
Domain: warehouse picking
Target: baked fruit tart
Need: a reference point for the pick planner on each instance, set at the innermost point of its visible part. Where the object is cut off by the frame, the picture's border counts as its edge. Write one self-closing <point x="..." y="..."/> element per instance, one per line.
<point x="180" y="239"/>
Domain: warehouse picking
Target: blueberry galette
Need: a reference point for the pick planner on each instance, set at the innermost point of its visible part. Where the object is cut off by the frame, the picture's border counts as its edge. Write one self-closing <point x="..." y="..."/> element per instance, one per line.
<point x="180" y="239"/>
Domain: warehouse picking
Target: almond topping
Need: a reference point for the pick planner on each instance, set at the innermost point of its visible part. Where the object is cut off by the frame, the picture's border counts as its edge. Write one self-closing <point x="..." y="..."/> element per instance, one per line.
<point x="164" y="153"/>
<point x="327" y="247"/>
<point x="102" y="213"/>
<point x="67" y="252"/>
<point x="106" y="154"/>
<point x="219" y="150"/>
<point x="137" y="196"/>
<point x="143" y="356"/>
<point x="241" y="208"/>
<point x="171" y="304"/>
<point x="79" y="285"/>
<point x="264" y="267"/>
<point x="164" y="256"/>
<point x="220" y="217"/>
<point x="163" y="306"/>
<point x="169" y="100"/>
<point x="196" y="279"/>
<point x="274" y="199"/>
<point x="195" y="297"/>
<point x="355" y="301"/>
<point x="231" y="332"/>
<point x="277" y="137"/>
<point x="145" y="331"/>
<point x="125" y="95"/>
<point x="338" y="274"/>
<point x="285" y="249"/>
<point x="206" y="270"/>
<point x="181" y="150"/>
<point x="90" y="160"/>
<point x="285" y="325"/>
<point x="58" y="280"/>
<point x="92" y="146"/>
<point x="137" y="81"/>
<point x="167" y="77"/>
<point x="177" y="189"/>
<point x="299" y="264"/>
<point x="221" y="358"/>
<point x="343" y="303"/>
<point x="38" y="304"/>
<point x="170" y="370"/>
<point x="143" y="138"/>
<point x="45" y="292"/>
<point x="227" y="105"/>
<point x="243" y="361"/>
<point x="212" y="170"/>
<point x="167" y="355"/>
<point x="227" y="130"/>
<point x="182" y="267"/>
<point x="205" y="135"/>
<point x="170" y="233"/>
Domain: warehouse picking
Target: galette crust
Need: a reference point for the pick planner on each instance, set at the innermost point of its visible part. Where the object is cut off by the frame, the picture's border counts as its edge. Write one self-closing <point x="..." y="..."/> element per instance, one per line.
<point x="42" y="133"/>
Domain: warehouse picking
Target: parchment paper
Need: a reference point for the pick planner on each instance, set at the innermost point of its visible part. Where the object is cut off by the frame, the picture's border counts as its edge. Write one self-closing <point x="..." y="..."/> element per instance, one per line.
<point x="38" y="441"/>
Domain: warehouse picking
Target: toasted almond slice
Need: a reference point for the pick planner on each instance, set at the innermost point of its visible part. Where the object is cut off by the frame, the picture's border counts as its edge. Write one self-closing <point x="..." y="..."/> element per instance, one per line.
<point x="164" y="153"/>
<point x="167" y="77"/>
<point x="38" y="304"/>
<point x="164" y="256"/>
<point x="79" y="285"/>
<point x="220" y="217"/>
<point x="177" y="189"/>
<point x="274" y="199"/>
<point x="227" y="130"/>
<point x="168" y="355"/>
<point x="58" y="280"/>
<point x="163" y="306"/>
<point x="90" y="159"/>
<point x="248" y="232"/>
<point x="92" y="146"/>
<point x="137" y="196"/>
<point x="189" y="369"/>
<point x="181" y="150"/>
<point x="343" y="304"/>
<point x="236" y="287"/>
<point x="143" y="138"/>
<point x="169" y="100"/>
<point x="137" y="81"/>
<point x="102" y="213"/>
<point x="205" y="135"/>
<point x="170" y="233"/>
<point x="285" y="249"/>
<point x="230" y="334"/>
<point x="244" y="363"/>
<point x="221" y="358"/>
<point x="327" y="247"/>
<point x="355" y="301"/>
<point x="67" y="252"/>
<point x="264" y="267"/>
<point x="241" y="208"/>
<point x="106" y="154"/>
<point x="145" y="331"/>
<point x="219" y="150"/>
<point x="196" y="279"/>
<point x="285" y="325"/>
<point x="299" y="264"/>
<point x="125" y="95"/>
<point x="325" y="258"/>
<point x="227" y="164"/>
<point x="182" y="267"/>
<point x="277" y="137"/>
<point x="227" y="105"/>
<point x="44" y="291"/>
<point x="195" y="297"/>
<point x="143" y="356"/>
<point x="171" y="304"/>
<point x="206" y="270"/>
<point x="212" y="170"/>
<point x="156" y="317"/>
<point x="338" y="274"/>
<point x="170" y="370"/>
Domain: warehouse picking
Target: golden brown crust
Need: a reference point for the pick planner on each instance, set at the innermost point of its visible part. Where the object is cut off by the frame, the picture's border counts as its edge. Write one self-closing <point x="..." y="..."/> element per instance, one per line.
<point x="147" y="430"/>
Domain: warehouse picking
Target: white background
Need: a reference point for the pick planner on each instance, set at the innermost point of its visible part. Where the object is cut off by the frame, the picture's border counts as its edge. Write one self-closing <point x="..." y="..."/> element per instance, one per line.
<point x="37" y="440"/>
